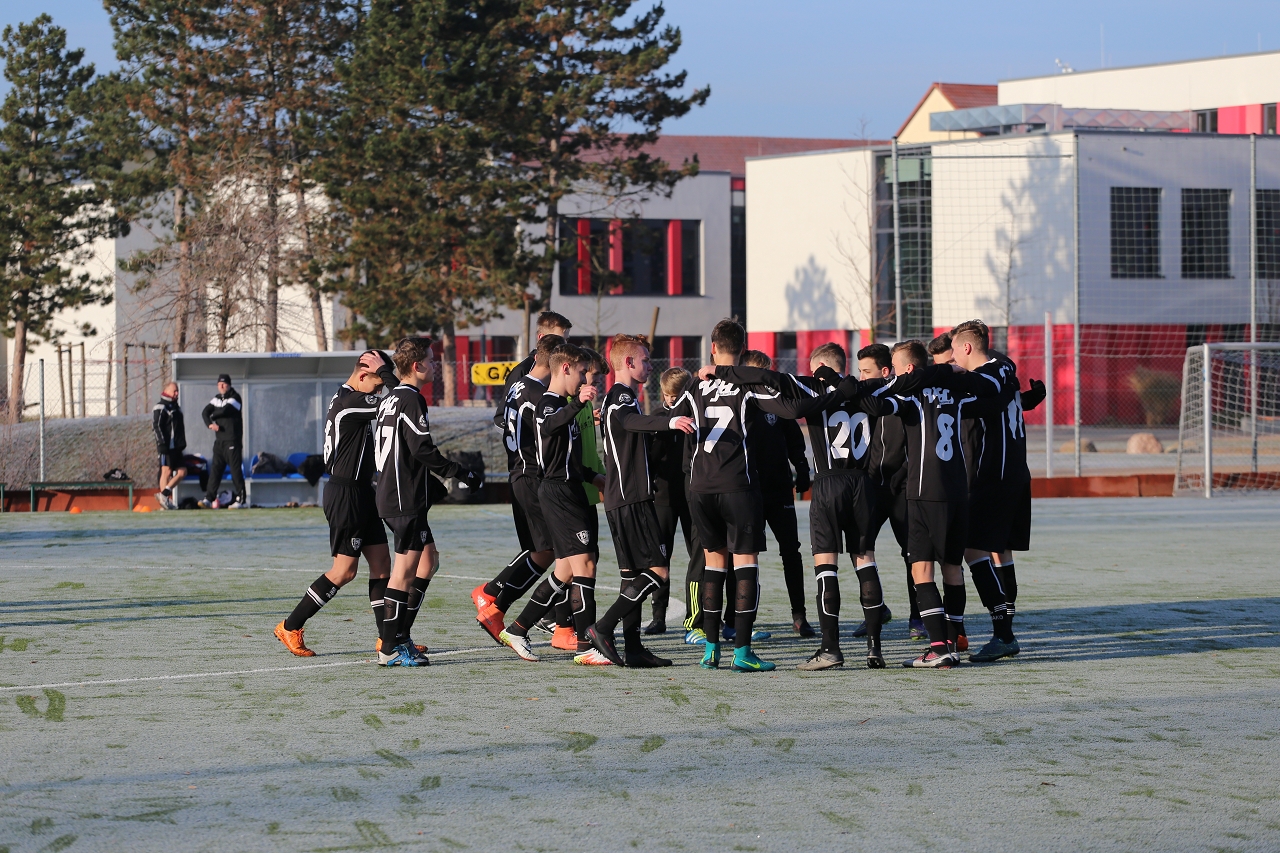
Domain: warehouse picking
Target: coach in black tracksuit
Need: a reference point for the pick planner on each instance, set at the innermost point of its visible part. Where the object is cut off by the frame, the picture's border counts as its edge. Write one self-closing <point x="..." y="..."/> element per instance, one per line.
<point x="224" y="416"/>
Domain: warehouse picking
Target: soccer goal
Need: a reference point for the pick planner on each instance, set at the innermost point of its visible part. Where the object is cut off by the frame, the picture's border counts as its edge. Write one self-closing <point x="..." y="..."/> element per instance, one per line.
<point x="1229" y="429"/>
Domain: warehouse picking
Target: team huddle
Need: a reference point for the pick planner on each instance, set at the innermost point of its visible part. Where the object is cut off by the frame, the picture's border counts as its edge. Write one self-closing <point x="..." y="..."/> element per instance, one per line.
<point x="930" y="439"/>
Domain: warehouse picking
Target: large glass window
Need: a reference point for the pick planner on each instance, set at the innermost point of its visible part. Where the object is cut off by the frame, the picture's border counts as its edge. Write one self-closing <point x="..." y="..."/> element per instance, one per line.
<point x="1135" y="232"/>
<point x="1207" y="121"/>
<point x="630" y="256"/>
<point x="915" y="226"/>
<point x="1206" y="233"/>
<point x="1269" y="234"/>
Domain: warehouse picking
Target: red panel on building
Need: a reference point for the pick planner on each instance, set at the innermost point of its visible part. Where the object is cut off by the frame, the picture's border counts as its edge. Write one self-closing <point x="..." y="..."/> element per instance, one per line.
<point x="615" y="247"/>
<point x="807" y="342"/>
<point x="765" y="342"/>
<point x="675" y="257"/>
<point x="584" y="257"/>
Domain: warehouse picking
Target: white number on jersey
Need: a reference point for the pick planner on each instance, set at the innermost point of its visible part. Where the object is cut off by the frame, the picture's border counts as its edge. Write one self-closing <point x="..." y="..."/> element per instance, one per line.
<point x="383" y="438"/>
<point x="1017" y="427"/>
<point x="724" y="417"/>
<point x="849" y="426"/>
<point x="328" y="440"/>
<point x="946" y="431"/>
<point x="512" y="444"/>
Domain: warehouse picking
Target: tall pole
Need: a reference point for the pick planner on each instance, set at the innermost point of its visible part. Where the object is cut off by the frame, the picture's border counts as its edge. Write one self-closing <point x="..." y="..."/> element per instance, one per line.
<point x="1253" y="301"/>
<point x="1048" y="396"/>
<point x="42" y="420"/>
<point x="1075" y="159"/>
<point x="1206" y="377"/>
<point x="84" y="404"/>
<point x="897" y="252"/>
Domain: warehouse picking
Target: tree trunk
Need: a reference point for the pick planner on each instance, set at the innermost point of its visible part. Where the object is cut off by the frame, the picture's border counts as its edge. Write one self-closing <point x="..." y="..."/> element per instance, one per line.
<point x="313" y="287"/>
<point x="272" y="319"/>
<point x="17" y="394"/>
<point x="448" y="368"/>
<point x="183" y="308"/>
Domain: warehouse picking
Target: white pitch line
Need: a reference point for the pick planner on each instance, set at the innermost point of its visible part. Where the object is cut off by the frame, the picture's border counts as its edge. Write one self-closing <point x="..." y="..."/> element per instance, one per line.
<point x="191" y="675"/>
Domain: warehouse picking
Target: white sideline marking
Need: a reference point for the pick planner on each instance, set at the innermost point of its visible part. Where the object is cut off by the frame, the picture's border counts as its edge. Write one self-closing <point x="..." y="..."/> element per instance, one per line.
<point x="191" y="675"/>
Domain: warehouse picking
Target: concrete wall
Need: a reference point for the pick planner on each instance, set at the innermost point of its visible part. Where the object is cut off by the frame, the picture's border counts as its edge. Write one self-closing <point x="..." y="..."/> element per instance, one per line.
<point x="808" y="241"/>
<point x="1192" y="85"/>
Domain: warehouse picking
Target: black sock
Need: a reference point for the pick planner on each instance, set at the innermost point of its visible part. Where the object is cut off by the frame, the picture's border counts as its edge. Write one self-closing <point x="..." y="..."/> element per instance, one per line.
<point x="953" y="596"/>
<point x="1009" y="583"/>
<point x="523" y="577"/>
<point x="793" y="574"/>
<point x="563" y="610"/>
<point x="631" y="632"/>
<point x="416" y="595"/>
<point x="934" y="616"/>
<point x="730" y="596"/>
<point x="828" y="601"/>
<point x="712" y="589"/>
<point x="911" y="594"/>
<point x="318" y="595"/>
<point x="990" y="593"/>
<point x="582" y="598"/>
<point x="871" y="595"/>
<point x="746" y="603"/>
<point x="493" y="587"/>
<point x="660" y="599"/>
<point x="635" y="588"/>
<point x="395" y="606"/>
<point x="542" y="600"/>
<point x="377" y="589"/>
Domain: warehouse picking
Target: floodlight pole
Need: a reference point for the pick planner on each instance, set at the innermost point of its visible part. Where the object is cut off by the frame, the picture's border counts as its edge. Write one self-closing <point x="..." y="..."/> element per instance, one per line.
<point x="42" y="420"/>
<point x="1253" y="301"/>
<point x="1048" y="395"/>
<point x="897" y="251"/>
<point x="1076" y="287"/>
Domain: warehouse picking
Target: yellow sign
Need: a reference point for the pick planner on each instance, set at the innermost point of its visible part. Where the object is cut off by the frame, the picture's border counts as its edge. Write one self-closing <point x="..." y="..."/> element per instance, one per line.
<point x="491" y="372"/>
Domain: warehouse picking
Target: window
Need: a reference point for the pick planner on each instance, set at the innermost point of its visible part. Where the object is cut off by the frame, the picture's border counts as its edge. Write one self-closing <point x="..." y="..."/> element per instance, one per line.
<point x="1206" y="234"/>
<point x="1207" y="121"/>
<point x="1269" y="118"/>
<point x="679" y="351"/>
<point x="915" y="225"/>
<point x="631" y="257"/>
<point x="1269" y="234"/>
<point x="1135" y="232"/>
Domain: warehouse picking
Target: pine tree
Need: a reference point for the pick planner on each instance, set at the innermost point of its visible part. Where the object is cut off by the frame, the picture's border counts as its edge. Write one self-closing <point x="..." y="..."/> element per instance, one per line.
<point x="51" y="208"/>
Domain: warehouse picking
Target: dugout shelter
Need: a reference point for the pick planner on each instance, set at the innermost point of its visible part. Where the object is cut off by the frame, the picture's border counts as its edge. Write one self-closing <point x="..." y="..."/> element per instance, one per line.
<point x="285" y="398"/>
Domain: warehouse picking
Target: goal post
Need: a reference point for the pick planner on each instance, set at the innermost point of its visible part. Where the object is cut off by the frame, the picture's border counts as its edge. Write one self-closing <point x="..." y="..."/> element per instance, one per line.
<point x="1229" y="427"/>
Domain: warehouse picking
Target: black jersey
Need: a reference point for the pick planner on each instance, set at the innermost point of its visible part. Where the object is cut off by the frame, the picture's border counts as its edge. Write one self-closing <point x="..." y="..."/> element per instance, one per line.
<point x="348" y="436"/>
<point x="627" y="476"/>
<point x="932" y="416"/>
<point x="517" y="373"/>
<point x="404" y="452"/>
<point x="887" y="465"/>
<point x="560" y="439"/>
<point x="666" y="464"/>
<point x="778" y="444"/>
<point x="520" y="435"/>
<point x="995" y="436"/>
<point x="167" y="424"/>
<point x="720" y="454"/>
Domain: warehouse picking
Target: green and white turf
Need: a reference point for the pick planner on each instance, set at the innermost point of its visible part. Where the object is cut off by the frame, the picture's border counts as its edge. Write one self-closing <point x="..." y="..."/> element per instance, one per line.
<point x="145" y="704"/>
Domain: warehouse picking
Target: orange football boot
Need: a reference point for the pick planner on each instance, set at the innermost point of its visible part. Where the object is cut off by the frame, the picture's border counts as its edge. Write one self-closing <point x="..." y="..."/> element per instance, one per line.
<point x="565" y="639"/>
<point x="293" y="641"/>
<point x="481" y="600"/>
<point x="490" y="620"/>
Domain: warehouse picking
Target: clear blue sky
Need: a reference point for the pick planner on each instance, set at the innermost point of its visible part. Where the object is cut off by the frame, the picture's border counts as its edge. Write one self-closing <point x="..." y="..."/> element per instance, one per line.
<point x="820" y="67"/>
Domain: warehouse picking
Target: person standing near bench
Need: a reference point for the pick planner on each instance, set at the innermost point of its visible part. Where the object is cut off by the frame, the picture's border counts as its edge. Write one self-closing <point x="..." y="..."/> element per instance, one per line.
<point x="224" y="416"/>
<point x="171" y="440"/>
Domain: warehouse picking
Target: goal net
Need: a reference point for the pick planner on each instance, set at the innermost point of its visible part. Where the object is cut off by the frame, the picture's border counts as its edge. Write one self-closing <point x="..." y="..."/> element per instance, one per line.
<point x="1229" y="429"/>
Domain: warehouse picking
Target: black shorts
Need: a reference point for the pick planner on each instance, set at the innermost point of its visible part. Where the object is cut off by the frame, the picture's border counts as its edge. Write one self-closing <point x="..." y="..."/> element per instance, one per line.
<point x="733" y="521"/>
<point x="891" y="506"/>
<point x="841" y="508"/>
<point x="572" y="522"/>
<point x="531" y="529"/>
<point x="352" y="513"/>
<point x="937" y="531"/>
<point x="637" y="536"/>
<point x="1000" y="520"/>
<point x="412" y="532"/>
<point x="172" y="459"/>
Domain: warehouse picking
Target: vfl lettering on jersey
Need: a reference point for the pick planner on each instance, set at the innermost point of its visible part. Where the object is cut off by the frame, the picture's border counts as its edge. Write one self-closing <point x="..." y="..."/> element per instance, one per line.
<point x="946" y="432"/>
<point x="516" y="388"/>
<point x="583" y="536"/>
<point x="718" y="388"/>
<point x="724" y="417"/>
<point x="848" y="426"/>
<point x="940" y="396"/>
<point x="355" y="543"/>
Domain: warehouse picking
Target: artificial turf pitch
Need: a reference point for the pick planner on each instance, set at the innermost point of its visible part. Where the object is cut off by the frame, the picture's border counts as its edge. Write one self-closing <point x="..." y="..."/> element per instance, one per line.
<point x="145" y="704"/>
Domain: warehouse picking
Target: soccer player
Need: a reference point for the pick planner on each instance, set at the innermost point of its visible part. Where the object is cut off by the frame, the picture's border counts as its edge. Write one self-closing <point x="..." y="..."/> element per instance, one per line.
<point x="724" y="490"/>
<point x="887" y="468"/>
<point x="494" y="599"/>
<point x="643" y="558"/>
<point x="995" y="439"/>
<point x="937" y="490"/>
<point x="571" y="521"/>
<point x="549" y="323"/>
<point x="171" y="440"/>
<point x="940" y="349"/>
<point x="403" y="452"/>
<point x="671" y="503"/>
<point x="350" y="506"/>
<point x="223" y="416"/>
<point x="779" y="447"/>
